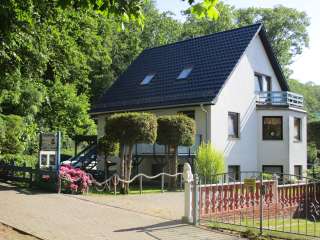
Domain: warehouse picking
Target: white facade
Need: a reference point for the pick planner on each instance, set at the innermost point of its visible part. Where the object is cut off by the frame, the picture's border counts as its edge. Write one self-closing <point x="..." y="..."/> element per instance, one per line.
<point x="249" y="151"/>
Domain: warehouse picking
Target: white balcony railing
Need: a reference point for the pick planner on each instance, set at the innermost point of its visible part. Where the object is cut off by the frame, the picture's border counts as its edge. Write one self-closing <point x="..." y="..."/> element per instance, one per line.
<point x="278" y="98"/>
<point x="156" y="149"/>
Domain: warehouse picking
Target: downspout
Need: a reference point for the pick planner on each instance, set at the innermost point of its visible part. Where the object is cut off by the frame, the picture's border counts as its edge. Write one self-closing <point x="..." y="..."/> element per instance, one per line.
<point x="206" y="112"/>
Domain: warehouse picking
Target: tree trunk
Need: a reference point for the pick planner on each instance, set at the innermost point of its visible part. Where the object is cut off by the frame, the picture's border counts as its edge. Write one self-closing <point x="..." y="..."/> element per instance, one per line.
<point x="122" y="166"/>
<point x="173" y="170"/>
<point x="129" y="166"/>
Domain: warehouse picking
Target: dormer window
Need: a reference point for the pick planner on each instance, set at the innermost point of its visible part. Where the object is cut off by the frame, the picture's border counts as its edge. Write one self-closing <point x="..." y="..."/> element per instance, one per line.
<point x="185" y="72"/>
<point x="147" y="79"/>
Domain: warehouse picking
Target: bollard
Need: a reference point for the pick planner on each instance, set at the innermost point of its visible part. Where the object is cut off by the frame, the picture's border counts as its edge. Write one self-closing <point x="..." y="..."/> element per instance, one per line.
<point x="162" y="183"/>
<point x="188" y="179"/>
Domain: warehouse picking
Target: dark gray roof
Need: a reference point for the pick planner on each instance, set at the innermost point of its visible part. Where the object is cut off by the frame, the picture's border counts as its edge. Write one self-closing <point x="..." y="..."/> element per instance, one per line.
<point x="213" y="58"/>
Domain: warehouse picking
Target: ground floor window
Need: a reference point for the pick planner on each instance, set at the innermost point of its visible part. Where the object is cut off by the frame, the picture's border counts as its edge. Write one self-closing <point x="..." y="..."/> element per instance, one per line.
<point x="272" y="128"/>
<point x="234" y="172"/>
<point x="273" y="169"/>
<point x="298" y="171"/>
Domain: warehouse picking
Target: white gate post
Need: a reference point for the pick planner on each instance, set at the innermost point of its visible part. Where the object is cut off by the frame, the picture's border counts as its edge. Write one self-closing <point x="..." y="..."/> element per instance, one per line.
<point x="188" y="179"/>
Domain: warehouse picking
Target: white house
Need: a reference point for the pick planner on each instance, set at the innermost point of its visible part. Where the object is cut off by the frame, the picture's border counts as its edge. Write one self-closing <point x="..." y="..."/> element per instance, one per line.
<point x="232" y="85"/>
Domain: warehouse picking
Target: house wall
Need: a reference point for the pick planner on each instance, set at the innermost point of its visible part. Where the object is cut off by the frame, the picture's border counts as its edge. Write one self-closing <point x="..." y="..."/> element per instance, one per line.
<point x="238" y="95"/>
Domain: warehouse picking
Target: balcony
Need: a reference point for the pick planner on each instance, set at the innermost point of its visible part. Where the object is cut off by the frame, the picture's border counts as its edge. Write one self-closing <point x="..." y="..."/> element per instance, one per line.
<point x="282" y="99"/>
<point x="156" y="149"/>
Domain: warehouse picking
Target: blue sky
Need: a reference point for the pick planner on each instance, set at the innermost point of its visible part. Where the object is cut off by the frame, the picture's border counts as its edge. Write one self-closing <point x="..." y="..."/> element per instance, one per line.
<point x="305" y="66"/>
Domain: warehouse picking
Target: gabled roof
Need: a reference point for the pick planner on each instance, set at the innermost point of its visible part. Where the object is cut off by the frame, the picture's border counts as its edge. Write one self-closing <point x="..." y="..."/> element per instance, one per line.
<point x="212" y="57"/>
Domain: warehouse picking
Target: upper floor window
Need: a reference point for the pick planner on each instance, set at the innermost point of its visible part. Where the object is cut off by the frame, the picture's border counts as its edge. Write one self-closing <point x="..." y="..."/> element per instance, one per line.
<point x="147" y="79"/>
<point x="272" y="128"/>
<point x="185" y="72"/>
<point x="233" y="125"/>
<point x="297" y="129"/>
<point x="189" y="113"/>
<point x="263" y="83"/>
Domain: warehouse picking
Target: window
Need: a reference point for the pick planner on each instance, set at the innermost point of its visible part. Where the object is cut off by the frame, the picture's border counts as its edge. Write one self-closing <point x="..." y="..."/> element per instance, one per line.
<point x="273" y="169"/>
<point x="43" y="160"/>
<point x="298" y="171"/>
<point x="147" y="79"/>
<point x="185" y="73"/>
<point x="234" y="173"/>
<point x="190" y="113"/>
<point x="52" y="159"/>
<point x="233" y="125"/>
<point x="272" y="128"/>
<point x="262" y="83"/>
<point x="297" y="129"/>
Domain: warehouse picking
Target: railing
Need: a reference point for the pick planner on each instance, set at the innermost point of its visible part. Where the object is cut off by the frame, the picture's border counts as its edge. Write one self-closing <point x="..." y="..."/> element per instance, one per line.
<point x="156" y="149"/>
<point x="278" y="98"/>
<point x="112" y="183"/>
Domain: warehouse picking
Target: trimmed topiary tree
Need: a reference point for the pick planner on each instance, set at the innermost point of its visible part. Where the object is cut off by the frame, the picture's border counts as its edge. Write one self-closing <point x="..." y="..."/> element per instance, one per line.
<point x="129" y="129"/>
<point x="174" y="131"/>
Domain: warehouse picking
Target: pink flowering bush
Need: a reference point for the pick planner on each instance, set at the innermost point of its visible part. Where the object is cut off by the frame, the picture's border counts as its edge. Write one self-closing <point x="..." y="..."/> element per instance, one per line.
<point x="74" y="179"/>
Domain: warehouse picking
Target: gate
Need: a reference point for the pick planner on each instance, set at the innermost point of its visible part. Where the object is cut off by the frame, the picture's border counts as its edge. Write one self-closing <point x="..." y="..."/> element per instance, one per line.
<point x="269" y="203"/>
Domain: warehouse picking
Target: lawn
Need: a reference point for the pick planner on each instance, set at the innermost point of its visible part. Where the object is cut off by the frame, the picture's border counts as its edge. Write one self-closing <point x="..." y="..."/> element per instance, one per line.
<point x="280" y="227"/>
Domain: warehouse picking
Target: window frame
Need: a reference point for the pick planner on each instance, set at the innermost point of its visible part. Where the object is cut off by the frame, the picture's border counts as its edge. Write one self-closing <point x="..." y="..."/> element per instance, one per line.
<point x="264" y="78"/>
<point x="300" y="129"/>
<point x="299" y="176"/>
<point x="265" y="166"/>
<point x="238" y="172"/>
<point x="237" y="136"/>
<point x="264" y="138"/>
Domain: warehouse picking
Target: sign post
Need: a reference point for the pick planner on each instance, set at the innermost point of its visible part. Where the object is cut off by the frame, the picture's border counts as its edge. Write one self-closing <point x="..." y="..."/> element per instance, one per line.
<point x="58" y="150"/>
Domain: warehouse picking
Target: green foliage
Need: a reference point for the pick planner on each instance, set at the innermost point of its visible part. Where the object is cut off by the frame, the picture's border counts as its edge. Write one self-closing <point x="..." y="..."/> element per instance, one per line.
<point x="176" y="130"/>
<point x="312" y="153"/>
<point x="132" y="127"/>
<point x="107" y="147"/>
<point x="19" y="159"/>
<point x="266" y="176"/>
<point x="311" y="93"/>
<point x="209" y="161"/>
<point x="313" y="131"/>
<point x="12" y="134"/>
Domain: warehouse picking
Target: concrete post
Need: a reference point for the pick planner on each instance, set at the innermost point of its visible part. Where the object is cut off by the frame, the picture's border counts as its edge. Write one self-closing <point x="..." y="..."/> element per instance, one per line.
<point x="275" y="179"/>
<point x="188" y="179"/>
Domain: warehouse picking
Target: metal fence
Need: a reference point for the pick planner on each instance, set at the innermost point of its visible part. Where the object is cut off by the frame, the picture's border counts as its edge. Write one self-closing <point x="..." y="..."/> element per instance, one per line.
<point x="279" y="203"/>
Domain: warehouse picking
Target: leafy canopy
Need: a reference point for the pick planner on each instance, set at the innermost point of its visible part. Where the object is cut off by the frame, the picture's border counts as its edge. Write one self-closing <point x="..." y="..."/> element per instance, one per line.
<point x="176" y="130"/>
<point x="132" y="127"/>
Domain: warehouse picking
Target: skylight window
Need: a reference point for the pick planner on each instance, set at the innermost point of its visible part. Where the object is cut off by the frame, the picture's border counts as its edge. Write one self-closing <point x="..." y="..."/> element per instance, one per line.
<point x="147" y="79"/>
<point x="185" y="73"/>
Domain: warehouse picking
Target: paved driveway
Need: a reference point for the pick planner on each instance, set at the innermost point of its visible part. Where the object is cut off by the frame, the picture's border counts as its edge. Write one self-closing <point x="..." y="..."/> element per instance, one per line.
<point x="63" y="217"/>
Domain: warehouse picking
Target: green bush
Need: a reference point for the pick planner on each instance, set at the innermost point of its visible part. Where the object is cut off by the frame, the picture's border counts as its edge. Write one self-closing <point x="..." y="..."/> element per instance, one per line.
<point x="266" y="176"/>
<point x="131" y="128"/>
<point x="209" y="161"/>
<point x="107" y="147"/>
<point x="176" y="130"/>
<point x="19" y="159"/>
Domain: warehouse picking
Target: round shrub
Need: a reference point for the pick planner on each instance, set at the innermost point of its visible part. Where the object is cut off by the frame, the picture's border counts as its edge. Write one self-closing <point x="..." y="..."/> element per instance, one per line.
<point x="132" y="127"/>
<point x="176" y="130"/>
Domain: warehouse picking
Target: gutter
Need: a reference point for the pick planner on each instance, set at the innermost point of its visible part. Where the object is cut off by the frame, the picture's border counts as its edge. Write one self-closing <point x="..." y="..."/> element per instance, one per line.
<point x="206" y="112"/>
<point x="152" y="108"/>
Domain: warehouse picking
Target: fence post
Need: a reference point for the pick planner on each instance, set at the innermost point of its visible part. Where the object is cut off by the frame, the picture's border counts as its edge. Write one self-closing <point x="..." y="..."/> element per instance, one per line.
<point x="188" y="179"/>
<point x="141" y="184"/>
<point x="262" y="192"/>
<point x="162" y="183"/>
<point x="195" y="200"/>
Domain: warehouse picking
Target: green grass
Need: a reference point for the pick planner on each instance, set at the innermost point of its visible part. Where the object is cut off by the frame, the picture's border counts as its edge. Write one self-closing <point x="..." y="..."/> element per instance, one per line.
<point x="133" y="191"/>
<point x="281" y="228"/>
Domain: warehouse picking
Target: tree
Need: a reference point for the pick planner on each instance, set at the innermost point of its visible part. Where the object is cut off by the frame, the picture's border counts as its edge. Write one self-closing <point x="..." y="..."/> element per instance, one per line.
<point x="209" y="161"/>
<point x="286" y="30"/>
<point x="174" y="131"/>
<point x="129" y="129"/>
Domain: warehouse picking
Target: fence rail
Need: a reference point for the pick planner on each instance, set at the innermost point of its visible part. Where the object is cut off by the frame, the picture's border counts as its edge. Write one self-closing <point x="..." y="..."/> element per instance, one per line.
<point x="112" y="183"/>
<point x="273" y="205"/>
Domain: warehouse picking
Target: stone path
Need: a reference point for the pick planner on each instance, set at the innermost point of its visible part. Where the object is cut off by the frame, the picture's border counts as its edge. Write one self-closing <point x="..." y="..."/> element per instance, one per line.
<point x="63" y="217"/>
